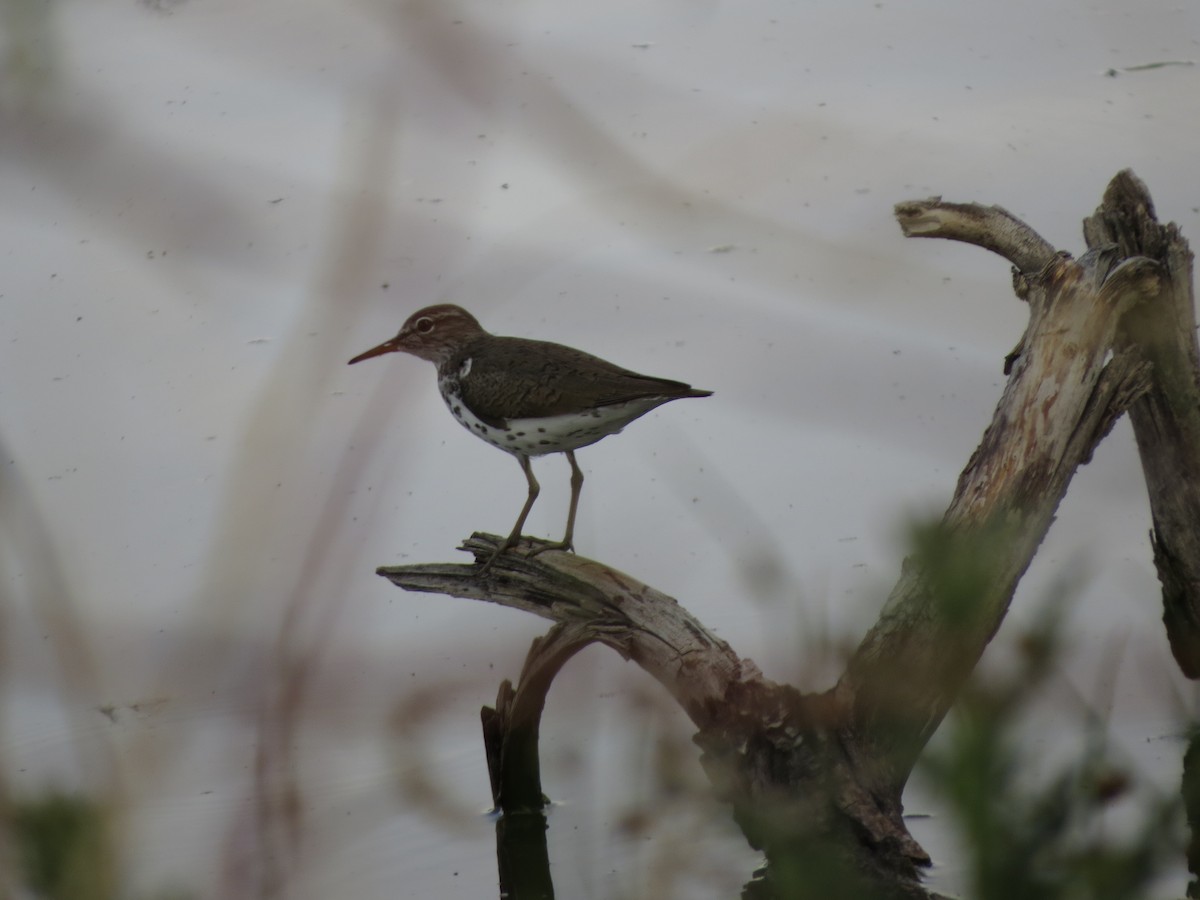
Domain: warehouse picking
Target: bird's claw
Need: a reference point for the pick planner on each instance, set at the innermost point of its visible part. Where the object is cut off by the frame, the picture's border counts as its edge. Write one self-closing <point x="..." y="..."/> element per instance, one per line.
<point x="535" y="549"/>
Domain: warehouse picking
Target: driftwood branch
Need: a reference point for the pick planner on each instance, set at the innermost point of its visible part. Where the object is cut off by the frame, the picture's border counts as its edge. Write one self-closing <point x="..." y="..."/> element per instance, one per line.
<point x="603" y="606"/>
<point x="1064" y="394"/>
<point x="760" y="739"/>
<point x="822" y="774"/>
<point x="510" y="740"/>
<point x="990" y="227"/>
<point x="1166" y="418"/>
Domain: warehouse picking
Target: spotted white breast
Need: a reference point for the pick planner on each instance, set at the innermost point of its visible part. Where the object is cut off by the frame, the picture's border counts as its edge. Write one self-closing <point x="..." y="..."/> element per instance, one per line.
<point x="554" y="434"/>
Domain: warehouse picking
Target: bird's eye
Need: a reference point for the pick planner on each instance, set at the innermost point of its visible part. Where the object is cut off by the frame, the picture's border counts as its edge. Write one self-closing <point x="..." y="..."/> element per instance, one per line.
<point x="424" y="325"/>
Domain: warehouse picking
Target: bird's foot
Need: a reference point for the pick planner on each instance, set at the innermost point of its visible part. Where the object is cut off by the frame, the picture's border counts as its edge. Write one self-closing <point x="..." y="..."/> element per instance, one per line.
<point x="535" y="548"/>
<point x="557" y="545"/>
<point x="508" y="544"/>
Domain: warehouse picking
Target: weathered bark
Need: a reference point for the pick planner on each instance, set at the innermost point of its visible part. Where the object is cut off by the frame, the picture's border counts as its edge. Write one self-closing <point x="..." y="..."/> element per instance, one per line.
<point x="510" y="741"/>
<point x="1066" y="390"/>
<point x="1166" y="418"/>
<point x="822" y="774"/>
<point x="603" y="606"/>
<point x="761" y="740"/>
<point x="990" y="227"/>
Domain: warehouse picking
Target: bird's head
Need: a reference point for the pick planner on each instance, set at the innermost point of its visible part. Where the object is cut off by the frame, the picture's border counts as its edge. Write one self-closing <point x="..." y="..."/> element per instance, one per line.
<point x="433" y="333"/>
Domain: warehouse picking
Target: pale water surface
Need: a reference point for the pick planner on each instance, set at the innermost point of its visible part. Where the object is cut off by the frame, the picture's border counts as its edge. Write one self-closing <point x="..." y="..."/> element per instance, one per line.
<point x="208" y="207"/>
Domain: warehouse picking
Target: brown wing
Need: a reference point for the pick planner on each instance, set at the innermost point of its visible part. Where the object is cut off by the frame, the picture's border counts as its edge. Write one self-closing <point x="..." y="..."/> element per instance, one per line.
<point x="519" y="378"/>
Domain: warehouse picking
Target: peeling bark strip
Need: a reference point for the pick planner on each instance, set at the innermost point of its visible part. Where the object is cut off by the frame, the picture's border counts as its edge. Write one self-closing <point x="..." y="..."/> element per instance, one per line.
<point x="820" y="776"/>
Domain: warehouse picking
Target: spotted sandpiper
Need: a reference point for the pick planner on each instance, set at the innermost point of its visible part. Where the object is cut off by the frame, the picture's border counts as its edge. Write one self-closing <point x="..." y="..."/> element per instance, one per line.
<point x="528" y="397"/>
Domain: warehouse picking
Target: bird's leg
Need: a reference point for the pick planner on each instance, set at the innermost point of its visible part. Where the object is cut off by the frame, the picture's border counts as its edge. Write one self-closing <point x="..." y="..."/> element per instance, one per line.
<point x="567" y="543"/>
<point x="514" y="537"/>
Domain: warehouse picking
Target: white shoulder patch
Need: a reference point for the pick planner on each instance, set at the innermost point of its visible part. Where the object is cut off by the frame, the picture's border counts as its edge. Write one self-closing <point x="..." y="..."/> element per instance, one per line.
<point x="465" y="369"/>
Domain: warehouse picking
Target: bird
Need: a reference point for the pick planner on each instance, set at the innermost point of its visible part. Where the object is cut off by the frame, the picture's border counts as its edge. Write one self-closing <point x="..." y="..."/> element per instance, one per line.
<point x="528" y="397"/>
